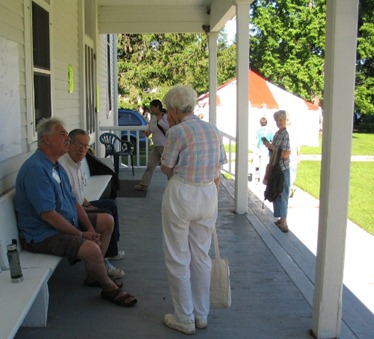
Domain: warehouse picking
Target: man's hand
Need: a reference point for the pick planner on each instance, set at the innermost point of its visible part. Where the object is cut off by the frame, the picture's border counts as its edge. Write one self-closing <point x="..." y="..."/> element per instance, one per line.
<point x="89" y="207"/>
<point x="93" y="236"/>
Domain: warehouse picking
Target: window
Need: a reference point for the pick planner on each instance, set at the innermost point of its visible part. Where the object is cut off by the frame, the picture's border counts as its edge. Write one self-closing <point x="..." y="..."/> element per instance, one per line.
<point x="41" y="63"/>
<point x="90" y="89"/>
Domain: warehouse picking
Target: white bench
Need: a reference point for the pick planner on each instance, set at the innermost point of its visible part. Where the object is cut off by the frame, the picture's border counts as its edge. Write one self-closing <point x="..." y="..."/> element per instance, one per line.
<point x="96" y="184"/>
<point x="26" y="303"/>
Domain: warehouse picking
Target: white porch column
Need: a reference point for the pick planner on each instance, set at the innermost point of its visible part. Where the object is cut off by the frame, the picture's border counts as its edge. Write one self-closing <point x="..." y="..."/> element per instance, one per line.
<point x="241" y="165"/>
<point x="341" y="35"/>
<point x="115" y="78"/>
<point x="213" y="77"/>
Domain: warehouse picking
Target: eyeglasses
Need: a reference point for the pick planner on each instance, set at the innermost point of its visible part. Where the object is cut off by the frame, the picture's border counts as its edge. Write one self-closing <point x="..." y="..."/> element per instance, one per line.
<point x="80" y="145"/>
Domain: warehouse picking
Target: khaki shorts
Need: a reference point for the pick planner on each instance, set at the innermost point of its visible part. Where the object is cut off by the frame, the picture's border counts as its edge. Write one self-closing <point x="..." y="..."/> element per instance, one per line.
<point x="62" y="245"/>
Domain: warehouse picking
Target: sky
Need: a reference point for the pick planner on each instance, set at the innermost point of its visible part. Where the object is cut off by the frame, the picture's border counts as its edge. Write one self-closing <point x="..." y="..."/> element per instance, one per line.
<point x="231" y="29"/>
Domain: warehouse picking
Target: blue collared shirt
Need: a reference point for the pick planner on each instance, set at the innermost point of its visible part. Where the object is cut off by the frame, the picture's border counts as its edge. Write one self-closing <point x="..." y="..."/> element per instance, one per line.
<point x="42" y="186"/>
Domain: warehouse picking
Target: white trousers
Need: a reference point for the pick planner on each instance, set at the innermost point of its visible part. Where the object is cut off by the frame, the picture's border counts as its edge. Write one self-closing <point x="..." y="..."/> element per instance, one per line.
<point x="189" y="214"/>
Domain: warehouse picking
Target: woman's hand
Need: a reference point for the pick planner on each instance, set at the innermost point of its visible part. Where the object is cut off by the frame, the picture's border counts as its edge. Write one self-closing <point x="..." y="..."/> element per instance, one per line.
<point x="285" y="154"/>
<point x="267" y="144"/>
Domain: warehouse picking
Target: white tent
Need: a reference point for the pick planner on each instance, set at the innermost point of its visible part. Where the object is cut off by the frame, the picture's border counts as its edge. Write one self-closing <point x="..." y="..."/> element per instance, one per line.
<point x="264" y="99"/>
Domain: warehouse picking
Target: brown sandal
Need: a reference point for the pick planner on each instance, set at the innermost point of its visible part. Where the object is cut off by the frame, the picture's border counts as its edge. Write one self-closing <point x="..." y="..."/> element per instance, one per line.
<point x="119" y="297"/>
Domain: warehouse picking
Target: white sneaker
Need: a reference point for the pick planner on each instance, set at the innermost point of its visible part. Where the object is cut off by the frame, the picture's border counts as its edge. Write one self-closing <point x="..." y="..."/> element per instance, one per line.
<point x="119" y="256"/>
<point x="171" y="322"/>
<point x="201" y="323"/>
<point x="114" y="273"/>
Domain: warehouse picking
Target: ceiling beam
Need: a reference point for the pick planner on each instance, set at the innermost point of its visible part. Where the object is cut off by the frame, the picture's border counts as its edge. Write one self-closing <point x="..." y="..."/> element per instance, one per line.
<point x="155" y="19"/>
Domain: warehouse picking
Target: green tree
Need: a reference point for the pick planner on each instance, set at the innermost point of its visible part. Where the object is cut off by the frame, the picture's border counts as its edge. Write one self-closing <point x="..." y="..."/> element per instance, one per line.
<point x="226" y="63"/>
<point x="365" y="59"/>
<point x="149" y="64"/>
<point x="287" y="44"/>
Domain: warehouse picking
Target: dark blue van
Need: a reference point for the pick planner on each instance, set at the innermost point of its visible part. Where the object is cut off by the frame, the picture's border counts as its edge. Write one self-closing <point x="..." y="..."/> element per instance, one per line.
<point x="127" y="117"/>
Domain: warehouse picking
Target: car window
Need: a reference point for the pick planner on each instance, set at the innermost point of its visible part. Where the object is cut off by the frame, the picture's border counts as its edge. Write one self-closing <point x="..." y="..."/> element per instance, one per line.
<point x="127" y="118"/>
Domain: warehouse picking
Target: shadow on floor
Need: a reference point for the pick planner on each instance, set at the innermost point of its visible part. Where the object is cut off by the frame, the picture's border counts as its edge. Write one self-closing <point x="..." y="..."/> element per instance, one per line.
<point x="265" y="301"/>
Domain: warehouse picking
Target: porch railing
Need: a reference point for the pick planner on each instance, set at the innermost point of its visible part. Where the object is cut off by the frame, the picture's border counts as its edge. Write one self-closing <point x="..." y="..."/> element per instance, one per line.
<point x="229" y="143"/>
<point x="142" y="155"/>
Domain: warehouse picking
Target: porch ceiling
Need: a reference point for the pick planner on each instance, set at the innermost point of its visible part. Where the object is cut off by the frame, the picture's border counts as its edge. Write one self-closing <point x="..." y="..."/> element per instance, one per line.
<point x="164" y="16"/>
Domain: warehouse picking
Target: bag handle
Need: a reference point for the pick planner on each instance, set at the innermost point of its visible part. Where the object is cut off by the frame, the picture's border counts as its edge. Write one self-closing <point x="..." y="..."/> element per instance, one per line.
<point x="216" y="247"/>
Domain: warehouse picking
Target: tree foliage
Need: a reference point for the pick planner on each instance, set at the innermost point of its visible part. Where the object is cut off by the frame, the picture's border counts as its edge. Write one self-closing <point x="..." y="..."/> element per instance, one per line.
<point x="287" y="44"/>
<point x="365" y="59"/>
<point x="149" y="64"/>
<point x="287" y="47"/>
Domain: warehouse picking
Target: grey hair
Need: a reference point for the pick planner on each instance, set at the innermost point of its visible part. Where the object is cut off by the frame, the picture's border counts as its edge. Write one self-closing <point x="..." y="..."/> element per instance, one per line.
<point x="76" y="132"/>
<point x="45" y="127"/>
<point x="182" y="98"/>
<point x="280" y="114"/>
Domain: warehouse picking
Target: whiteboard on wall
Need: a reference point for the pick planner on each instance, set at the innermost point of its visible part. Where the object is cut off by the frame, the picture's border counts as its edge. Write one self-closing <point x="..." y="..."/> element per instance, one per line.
<point x="10" y="116"/>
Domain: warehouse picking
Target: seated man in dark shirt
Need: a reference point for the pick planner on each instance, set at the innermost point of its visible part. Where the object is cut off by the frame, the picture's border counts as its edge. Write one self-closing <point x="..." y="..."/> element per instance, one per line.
<point x="51" y="221"/>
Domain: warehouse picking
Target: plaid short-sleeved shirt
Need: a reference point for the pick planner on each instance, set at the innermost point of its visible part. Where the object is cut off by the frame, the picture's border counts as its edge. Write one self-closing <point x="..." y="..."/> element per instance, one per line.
<point x="282" y="141"/>
<point x="194" y="150"/>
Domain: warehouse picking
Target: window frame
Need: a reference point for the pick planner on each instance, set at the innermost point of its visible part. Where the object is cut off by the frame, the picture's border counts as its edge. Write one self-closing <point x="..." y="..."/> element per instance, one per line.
<point x="32" y="70"/>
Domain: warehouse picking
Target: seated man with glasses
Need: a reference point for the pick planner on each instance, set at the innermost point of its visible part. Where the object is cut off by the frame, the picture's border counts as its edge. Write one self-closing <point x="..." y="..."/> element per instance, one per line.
<point x="103" y="210"/>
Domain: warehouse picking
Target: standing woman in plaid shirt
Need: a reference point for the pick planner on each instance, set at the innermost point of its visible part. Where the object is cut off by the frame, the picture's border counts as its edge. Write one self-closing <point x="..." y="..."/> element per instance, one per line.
<point x="281" y="142"/>
<point x="192" y="157"/>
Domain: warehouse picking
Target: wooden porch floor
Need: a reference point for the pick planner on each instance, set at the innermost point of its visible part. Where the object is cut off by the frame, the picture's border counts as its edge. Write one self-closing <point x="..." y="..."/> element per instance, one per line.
<point x="271" y="278"/>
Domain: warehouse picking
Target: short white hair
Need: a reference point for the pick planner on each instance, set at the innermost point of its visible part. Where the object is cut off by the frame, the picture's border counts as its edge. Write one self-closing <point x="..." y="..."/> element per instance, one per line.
<point x="181" y="97"/>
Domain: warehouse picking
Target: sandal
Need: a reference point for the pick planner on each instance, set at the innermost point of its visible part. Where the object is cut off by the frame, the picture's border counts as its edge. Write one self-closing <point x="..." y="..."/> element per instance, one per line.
<point x="119" y="297"/>
<point x="97" y="284"/>
<point x="141" y="187"/>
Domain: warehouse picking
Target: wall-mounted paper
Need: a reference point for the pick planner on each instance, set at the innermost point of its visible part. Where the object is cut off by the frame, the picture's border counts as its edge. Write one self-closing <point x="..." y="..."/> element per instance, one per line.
<point x="71" y="78"/>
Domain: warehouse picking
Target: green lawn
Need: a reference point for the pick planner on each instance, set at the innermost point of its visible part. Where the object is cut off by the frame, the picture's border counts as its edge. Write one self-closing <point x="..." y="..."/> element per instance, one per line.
<point x="361" y="199"/>
<point x="362" y="144"/>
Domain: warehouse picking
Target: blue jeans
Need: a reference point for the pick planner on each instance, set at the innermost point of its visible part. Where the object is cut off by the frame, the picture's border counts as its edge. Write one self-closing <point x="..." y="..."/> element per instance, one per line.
<point x="280" y="205"/>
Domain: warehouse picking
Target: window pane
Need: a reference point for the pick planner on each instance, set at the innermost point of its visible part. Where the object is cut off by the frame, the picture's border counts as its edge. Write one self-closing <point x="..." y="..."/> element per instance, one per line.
<point x="42" y="87"/>
<point x="90" y="90"/>
<point x="40" y="35"/>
